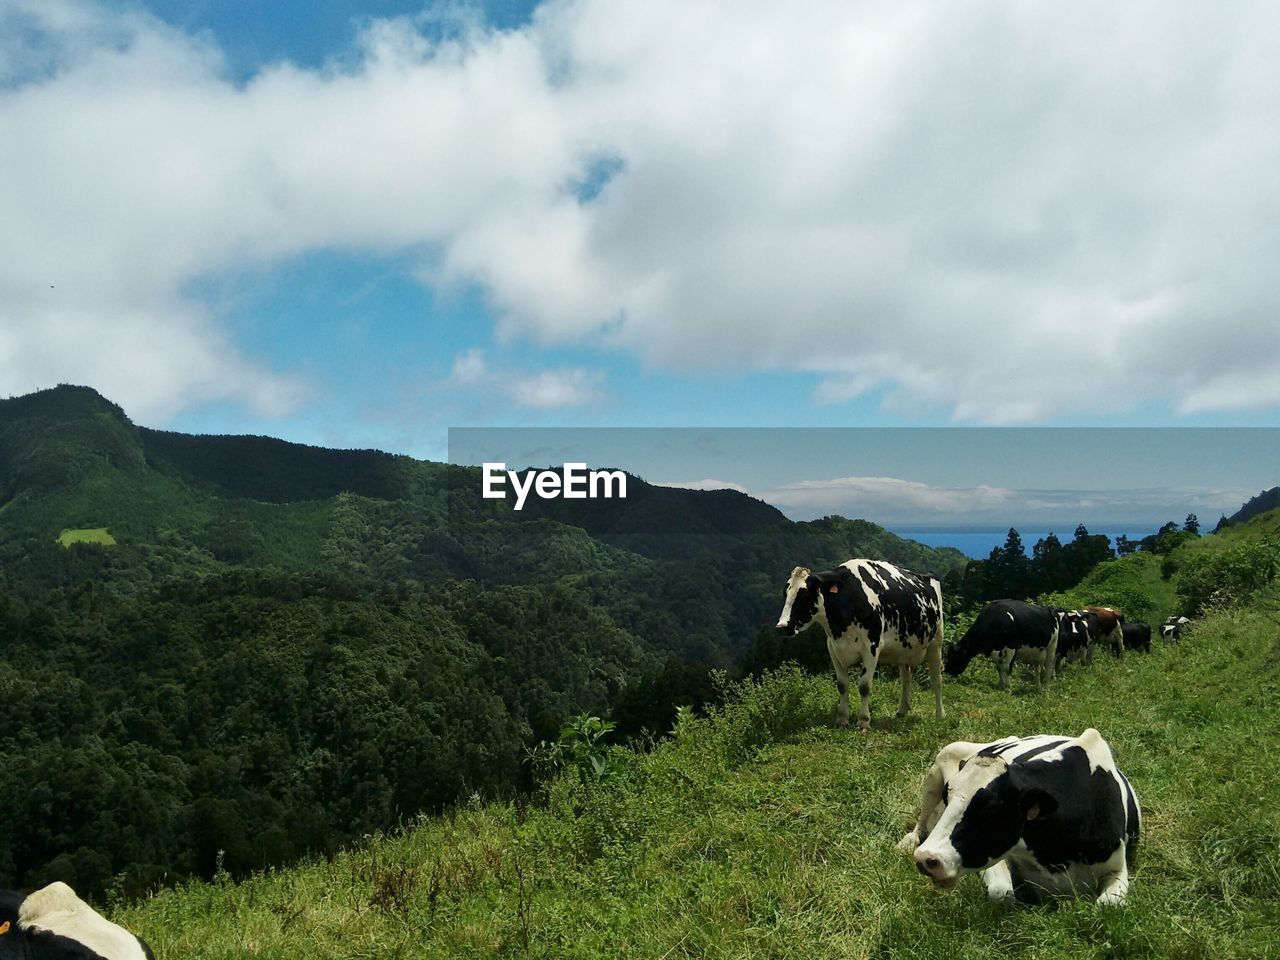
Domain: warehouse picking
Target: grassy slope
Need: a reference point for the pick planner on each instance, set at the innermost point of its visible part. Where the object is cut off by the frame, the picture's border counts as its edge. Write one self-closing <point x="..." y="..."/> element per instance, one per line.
<point x="99" y="535"/>
<point x="764" y="832"/>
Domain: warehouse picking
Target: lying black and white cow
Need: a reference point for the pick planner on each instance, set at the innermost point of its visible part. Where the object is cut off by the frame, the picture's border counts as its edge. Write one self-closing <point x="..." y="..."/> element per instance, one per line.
<point x="1137" y="636"/>
<point x="1039" y="815"/>
<point x="1009" y="631"/>
<point x="1174" y="628"/>
<point x="873" y="612"/>
<point x="55" y="924"/>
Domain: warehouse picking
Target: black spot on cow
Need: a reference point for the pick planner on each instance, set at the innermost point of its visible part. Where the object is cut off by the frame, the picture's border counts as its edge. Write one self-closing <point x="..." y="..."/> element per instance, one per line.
<point x="989" y="825"/>
<point x="1087" y="822"/>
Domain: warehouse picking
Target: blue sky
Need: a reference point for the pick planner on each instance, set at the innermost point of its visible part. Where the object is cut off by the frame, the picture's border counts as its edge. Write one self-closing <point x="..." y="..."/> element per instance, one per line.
<point x="360" y="224"/>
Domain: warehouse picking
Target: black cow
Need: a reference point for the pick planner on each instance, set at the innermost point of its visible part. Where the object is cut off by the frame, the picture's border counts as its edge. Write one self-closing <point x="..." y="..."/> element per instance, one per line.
<point x="1039" y="815"/>
<point x="872" y="612"/>
<point x="1009" y="631"/>
<point x="1137" y="636"/>
<point x="55" y="924"/>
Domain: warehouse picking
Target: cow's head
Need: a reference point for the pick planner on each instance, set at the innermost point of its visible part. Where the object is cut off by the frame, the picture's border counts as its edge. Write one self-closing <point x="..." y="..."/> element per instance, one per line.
<point x="803" y="597"/>
<point x="988" y="803"/>
<point x="955" y="658"/>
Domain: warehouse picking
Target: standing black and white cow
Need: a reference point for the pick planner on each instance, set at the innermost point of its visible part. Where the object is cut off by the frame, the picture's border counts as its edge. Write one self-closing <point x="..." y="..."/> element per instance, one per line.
<point x="1009" y="631"/>
<point x="1075" y="642"/>
<point x="873" y="612"/>
<point x="55" y="924"/>
<point x="1174" y="628"/>
<point x="1137" y="636"/>
<point x="1039" y="815"/>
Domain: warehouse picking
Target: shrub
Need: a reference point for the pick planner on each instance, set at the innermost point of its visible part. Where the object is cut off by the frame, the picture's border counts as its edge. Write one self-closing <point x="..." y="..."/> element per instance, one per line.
<point x="1227" y="577"/>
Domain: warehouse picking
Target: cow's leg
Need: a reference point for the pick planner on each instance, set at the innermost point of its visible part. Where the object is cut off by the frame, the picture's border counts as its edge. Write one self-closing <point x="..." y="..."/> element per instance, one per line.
<point x="1114" y="889"/>
<point x="1002" y="668"/>
<point x="1088" y="654"/>
<point x="904" y="674"/>
<point x="935" y="674"/>
<point x="999" y="882"/>
<point x="1051" y="657"/>
<point x="945" y="765"/>
<point x="842" y="684"/>
<point x="864" y="694"/>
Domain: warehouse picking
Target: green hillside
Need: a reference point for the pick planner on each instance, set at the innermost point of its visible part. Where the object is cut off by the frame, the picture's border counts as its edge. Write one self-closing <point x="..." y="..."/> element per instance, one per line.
<point x="287" y="648"/>
<point x="763" y="832"/>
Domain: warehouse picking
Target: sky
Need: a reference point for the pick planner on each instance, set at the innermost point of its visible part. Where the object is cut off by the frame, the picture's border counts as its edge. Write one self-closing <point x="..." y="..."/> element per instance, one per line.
<point x="359" y="224"/>
<point x="1127" y="479"/>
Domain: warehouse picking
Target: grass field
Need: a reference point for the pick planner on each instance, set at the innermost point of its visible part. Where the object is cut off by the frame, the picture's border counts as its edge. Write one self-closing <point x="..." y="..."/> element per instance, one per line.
<point x="764" y="832"/>
<point x="87" y="535"/>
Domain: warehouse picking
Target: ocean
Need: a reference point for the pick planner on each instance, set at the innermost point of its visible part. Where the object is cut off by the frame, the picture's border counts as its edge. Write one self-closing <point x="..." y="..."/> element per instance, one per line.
<point x="978" y="544"/>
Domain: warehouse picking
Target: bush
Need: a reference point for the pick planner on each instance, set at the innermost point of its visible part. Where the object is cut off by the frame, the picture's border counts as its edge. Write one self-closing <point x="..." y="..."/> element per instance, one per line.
<point x="1227" y="577"/>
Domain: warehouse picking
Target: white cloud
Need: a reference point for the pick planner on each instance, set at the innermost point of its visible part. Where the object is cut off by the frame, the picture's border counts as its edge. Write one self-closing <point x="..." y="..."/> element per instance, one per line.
<point x="873" y="497"/>
<point x="895" y="501"/>
<point x="1011" y="212"/>
<point x="470" y="368"/>
<point x="556" y="389"/>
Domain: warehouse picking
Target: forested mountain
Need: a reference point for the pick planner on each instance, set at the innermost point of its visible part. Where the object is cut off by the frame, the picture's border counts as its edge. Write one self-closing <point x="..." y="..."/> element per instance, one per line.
<point x="1263" y="502"/>
<point x="234" y="649"/>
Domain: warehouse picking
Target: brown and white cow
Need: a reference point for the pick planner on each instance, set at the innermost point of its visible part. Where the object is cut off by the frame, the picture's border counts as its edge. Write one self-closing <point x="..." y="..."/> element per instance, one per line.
<point x="1106" y="625"/>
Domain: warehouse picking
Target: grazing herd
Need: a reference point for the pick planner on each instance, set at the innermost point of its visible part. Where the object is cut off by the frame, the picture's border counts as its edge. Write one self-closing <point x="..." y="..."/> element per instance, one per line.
<point x="1037" y="815"/>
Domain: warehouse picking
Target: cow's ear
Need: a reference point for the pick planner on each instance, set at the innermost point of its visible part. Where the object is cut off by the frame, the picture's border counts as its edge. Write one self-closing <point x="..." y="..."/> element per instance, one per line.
<point x="1037" y="804"/>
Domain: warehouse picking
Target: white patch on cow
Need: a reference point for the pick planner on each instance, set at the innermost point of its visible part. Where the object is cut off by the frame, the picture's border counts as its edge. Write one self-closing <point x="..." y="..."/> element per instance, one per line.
<point x="794" y="585"/>
<point x="56" y="909"/>
<point x="999" y="881"/>
<point x="961" y="787"/>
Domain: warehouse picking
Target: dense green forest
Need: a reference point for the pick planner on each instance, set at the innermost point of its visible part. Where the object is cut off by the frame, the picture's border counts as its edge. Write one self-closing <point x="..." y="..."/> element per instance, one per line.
<point x="229" y="651"/>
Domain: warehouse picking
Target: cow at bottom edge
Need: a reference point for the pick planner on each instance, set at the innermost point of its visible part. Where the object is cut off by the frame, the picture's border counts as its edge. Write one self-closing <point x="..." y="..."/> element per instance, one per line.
<point x="1039" y="816"/>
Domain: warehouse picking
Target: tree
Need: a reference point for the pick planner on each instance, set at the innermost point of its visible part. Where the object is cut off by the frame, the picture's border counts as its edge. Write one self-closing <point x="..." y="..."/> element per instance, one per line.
<point x="1008" y="571"/>
<point x="1192" y="524"/>
<point x="1223" y="523"/>
<point x="1050" y="569"/>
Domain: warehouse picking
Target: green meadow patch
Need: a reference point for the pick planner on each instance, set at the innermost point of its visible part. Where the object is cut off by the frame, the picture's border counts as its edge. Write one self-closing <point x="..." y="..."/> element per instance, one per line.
<point x="762" y="831"/>
<point x="87" y="535"/>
